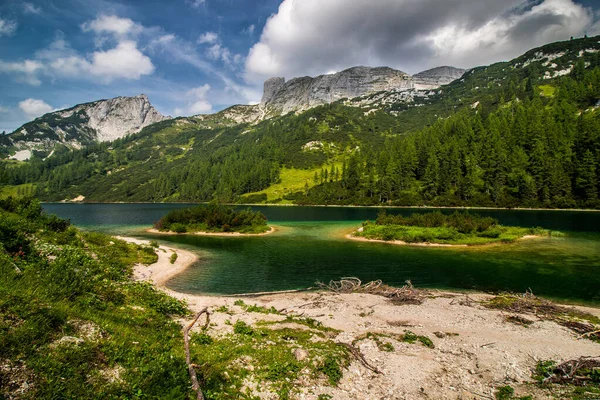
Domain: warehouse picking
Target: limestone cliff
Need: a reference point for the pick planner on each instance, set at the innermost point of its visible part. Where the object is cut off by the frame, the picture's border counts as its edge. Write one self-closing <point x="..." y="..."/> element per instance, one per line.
<point x="99" y="121"/>
<point x="298" y="94"/>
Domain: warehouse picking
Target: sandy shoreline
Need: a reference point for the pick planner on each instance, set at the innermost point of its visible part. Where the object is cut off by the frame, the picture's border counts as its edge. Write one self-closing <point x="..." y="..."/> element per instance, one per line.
<point x="403" y="243"/>
<point x="476" y="350"/>
<point x="223" y="234"/>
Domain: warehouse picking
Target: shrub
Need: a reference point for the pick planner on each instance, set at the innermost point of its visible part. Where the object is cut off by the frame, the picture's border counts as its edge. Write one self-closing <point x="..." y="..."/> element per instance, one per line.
<point x="178" y="228"/>
<point x="173" y="258"/>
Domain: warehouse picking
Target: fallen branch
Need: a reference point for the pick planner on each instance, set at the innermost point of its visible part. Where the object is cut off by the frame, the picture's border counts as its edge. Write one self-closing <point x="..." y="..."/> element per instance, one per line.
<point x="406" y="294"/>
<point x="358" y="355"/>
<point x="576" y="372"/>
<point x="597" y="333"/>
<point x="188" y="361"/>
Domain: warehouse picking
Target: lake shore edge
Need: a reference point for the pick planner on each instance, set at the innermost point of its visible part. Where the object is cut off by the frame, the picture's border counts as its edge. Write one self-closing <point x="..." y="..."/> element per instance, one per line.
<point x="474" y="340"/>
<point x="155" y="231"/>
<point x="334" y="206"/>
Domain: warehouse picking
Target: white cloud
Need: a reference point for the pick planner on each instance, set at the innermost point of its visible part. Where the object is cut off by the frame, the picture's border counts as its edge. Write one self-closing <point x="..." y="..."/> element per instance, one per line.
<point x="34" y="108"/>
<point x="111" y="24"/>
<point x="26" y="71"/>
<point x="3" y="109"/>
<point x="250" y="30"/>
<point x="30" y="8"/>
<point x="200" y="107"/>
<point x="197" y="103"/>
<point x="7" y="27"/>
<point x="313" y="36"/>
<point x="208" y="37"/>
<point x="196" y="3"/>
<point x="124" y="61"/>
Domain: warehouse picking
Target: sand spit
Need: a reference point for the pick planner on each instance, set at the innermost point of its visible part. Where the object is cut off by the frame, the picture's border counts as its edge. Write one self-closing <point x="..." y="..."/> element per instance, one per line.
<point x="223" y="234"/>
<point x="476" y="349"/>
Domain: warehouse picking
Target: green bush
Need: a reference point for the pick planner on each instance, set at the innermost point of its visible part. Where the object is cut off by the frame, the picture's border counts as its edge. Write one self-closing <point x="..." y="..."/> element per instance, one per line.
<point x="173" y="258"/>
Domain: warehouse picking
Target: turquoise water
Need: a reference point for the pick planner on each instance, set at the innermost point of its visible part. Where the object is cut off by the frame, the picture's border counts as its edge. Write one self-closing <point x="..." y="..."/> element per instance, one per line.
<point x="309" y="245"/>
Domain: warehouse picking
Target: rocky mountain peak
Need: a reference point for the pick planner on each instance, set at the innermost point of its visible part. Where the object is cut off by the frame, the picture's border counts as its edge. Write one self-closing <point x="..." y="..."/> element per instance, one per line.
<point x="98" y="121"/>
<point x="299" y="94"/>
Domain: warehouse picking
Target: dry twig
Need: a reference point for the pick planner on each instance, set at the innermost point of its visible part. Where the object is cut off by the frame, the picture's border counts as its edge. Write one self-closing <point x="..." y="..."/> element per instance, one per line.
<point x="358" y="355"/>
<point x="188" y="361"/>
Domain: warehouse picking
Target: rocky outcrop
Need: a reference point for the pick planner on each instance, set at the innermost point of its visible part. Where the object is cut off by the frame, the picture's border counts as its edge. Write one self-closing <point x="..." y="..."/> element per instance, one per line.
<point x="436" y="77"/>
<point x="299" y="94"/>
<point x="99" y="121"/>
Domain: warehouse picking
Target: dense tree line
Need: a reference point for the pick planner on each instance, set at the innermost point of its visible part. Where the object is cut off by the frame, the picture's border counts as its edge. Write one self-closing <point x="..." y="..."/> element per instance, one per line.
<point x="502" y="135"/>
<point x="536" y="151"/>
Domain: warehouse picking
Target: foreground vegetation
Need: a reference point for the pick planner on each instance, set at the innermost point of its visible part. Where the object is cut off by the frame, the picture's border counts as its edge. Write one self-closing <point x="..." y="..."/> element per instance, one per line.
<point x="72" y="324"/>
<point x="213" y="218"/>
<point x="435" y="227"/>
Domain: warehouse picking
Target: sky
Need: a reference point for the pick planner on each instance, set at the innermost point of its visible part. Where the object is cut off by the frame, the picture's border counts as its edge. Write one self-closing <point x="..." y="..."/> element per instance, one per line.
<point x="200" y="56"/>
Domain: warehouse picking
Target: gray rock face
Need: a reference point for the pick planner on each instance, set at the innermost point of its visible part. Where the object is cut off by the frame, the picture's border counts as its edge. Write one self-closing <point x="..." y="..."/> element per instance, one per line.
<point x="99" y="121"/>
<point x="435" y="77"/>
<point x="300" y="94"/>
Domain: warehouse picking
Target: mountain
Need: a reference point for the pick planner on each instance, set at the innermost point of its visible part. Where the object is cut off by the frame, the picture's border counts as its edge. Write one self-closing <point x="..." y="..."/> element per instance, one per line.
<point x="300" y="94"/>
<point x="83" y="124"/>
<point x="524" y="132"/>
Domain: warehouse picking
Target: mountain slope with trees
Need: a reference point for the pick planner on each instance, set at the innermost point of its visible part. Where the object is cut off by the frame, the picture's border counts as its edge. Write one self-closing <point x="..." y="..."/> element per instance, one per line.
<point x="523" y="133"/>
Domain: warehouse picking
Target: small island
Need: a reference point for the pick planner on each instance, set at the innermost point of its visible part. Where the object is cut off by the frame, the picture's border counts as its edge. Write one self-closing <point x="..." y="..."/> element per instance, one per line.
<point x="438" y="229"/>
<point x="213" y="219"/>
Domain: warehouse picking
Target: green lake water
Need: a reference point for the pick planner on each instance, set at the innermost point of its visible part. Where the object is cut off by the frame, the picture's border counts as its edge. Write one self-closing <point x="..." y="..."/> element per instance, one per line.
<point x="310" y="246"/>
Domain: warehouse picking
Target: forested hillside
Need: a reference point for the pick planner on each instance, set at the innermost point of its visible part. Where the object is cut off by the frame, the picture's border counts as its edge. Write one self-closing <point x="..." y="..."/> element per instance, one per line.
<point x="523" y="133"/>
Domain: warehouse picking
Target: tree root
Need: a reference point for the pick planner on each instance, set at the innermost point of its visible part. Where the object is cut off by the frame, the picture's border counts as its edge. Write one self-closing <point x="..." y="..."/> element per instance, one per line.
<point x="186" y="340"/>
<point x="358" y="355"/>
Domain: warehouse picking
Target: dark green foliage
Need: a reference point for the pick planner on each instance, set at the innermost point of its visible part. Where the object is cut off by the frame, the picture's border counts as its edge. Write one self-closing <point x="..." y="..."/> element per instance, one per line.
<point x="212" y="218"/>
<point x="331" y="368"/>
<point x="241" y="328"/>
<point x="501" y="136"/>
<point x="463" y="222"/>
<point x="54" y="279"/>
<point x="504" y="393"/>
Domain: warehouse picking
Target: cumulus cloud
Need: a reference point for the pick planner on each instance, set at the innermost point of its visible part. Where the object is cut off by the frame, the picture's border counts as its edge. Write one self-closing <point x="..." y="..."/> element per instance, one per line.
<point x="313" y="37"/>
<point x="7" y="27"/>
<point x="208" y="37"/>
<point x="29" y="8"/>
<point x="25" y="71"/>
<point x="196" y="3"/>
<point x="197" y="103"/>
<point x="122" y="61"/>
<point x="111" y="24"/>
<point x="34" y="108"/>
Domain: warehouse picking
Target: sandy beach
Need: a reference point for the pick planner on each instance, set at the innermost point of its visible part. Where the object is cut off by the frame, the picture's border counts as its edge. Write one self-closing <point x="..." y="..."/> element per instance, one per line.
<point x="224" y="234"/>
<point x="476" y="349"/>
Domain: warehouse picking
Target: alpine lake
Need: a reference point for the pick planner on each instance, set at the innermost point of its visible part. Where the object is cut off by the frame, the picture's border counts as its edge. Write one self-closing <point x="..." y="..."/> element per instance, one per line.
<point x="309" y="245"/>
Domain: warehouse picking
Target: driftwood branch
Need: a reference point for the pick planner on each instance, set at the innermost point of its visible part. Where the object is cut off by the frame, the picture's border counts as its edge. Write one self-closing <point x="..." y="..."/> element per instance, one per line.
<point x="358" y="355"/>
<point x="188" y="361"/>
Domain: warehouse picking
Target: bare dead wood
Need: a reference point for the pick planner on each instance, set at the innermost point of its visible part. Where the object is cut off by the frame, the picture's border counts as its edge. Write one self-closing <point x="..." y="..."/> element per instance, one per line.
<point x="406" y="294"/>
<point x="358" y="355"/>
<point x="597" y="333"/>
<point x="188" y="361"/>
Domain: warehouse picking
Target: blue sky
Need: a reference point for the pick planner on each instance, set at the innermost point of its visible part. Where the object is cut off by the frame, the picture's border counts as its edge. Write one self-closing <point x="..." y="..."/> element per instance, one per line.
<point x="200" y="56"/>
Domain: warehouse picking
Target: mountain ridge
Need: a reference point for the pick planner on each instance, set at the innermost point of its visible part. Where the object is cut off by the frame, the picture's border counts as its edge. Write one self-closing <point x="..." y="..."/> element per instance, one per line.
<point x="301" y="93"/>
<point x="97" y="121"/>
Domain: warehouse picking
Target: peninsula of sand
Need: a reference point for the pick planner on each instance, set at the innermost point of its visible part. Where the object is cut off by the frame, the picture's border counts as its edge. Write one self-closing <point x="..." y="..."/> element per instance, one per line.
<point x="224" y="234"/>
<point x="475" y="348"/>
